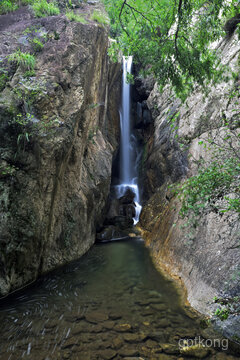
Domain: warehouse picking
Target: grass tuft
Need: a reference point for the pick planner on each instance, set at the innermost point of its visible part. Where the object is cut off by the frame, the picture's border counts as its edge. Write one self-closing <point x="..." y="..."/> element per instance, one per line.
<point x="42" y="8"/>
<point x="7" y="6"/>
<point x="25" y="60"/>
<point x="100" y="17"/>
<point x="75" y="17"/>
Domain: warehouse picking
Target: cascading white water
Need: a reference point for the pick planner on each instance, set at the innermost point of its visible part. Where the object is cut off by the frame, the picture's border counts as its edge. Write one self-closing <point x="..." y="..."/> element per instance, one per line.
<point x="128" y="162"/>
<point x="125" y="153"/>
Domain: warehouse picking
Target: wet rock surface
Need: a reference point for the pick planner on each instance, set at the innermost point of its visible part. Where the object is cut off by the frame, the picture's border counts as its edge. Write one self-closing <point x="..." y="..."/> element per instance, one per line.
<point x="119" y="220"/>
<point x="110" y="317"/>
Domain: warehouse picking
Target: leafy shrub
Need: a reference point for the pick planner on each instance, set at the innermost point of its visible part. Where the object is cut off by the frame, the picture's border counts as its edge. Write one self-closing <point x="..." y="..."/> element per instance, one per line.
<point x="25" y="60"/>
<point x="24" y="2"/>
<point x="42" y="8"/>
<point x="99" y="17"/>
<point x="7" y="6"/>
<point x="202" y="191"/>
<point x="75" y="17"/>
<point x="37" y="44"/>
<point x="3" y="78"/>
<point x="7" y="170"/>
<point x="218" y="176"/>
<point x="222" y="314"/>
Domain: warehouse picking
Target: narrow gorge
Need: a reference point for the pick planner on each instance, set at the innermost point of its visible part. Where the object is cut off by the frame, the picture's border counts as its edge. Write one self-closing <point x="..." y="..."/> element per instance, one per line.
<point x="119" y="180"/>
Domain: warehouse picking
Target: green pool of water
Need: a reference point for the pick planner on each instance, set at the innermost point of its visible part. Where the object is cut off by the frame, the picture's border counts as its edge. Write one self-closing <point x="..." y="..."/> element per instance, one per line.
<point x="110" y="304"/>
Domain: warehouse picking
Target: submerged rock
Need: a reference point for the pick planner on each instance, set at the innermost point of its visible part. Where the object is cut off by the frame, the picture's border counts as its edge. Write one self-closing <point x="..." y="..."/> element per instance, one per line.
<point x="122" y="327"/>
<point x="107" y="354"/>
<point x="170" y="349"/>
<point x="198" y="351"/>
<point x="96" y="317"/>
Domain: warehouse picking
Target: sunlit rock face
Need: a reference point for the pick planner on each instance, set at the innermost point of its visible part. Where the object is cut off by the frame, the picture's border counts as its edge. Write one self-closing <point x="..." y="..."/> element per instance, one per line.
<point x="204" y="257"/>
<point x="56" y="170"/>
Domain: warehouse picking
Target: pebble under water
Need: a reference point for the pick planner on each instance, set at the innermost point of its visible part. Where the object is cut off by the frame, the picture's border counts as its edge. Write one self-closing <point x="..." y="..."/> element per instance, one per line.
<point x="110" y="304"/>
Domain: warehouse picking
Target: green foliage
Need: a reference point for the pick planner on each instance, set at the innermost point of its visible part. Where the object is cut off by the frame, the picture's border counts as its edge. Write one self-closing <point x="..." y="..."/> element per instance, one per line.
<point x="27" y="127"/>
<point x="166" y="39"/>
<point x="233" y="204"/>
<point x="99" y="17"/>
<point x="130" y="78"/>
<point x="7" y="6"/>
<point x="205" y="188"/>
<point x="75" y="17"/>
<point x="216" y="178"/>
<point x="7" y="170"/>
<point x="3" y="78"/>
<point x="227" y="305"/>
<point x="29" y="73"/>
<point x="222" y="314"/>
<point x="43" y="8"/>
<point x="20" y="122"/>
<point x="37" y="44"/>
<point x="216" y="187"/>
<point x="25" y="60"/>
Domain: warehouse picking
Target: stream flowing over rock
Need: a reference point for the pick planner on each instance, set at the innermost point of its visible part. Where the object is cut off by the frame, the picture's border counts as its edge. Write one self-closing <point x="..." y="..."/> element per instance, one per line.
<point x="206" y="258"/>
<point x="56" y="168"/>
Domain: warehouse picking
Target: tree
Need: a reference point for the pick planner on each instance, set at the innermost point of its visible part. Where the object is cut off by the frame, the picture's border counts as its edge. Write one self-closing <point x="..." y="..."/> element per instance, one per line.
<point x="170" y="38"/>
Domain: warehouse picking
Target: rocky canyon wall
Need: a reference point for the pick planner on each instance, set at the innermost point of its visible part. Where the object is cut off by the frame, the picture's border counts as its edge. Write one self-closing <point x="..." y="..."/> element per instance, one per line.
<point x="59" y="129"/>
<point x="206" y="257"/>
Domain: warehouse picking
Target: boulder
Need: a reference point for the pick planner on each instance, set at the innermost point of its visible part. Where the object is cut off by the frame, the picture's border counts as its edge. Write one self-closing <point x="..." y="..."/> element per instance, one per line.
<point x="127" y="198"/>
<point x="128" y="210"/>
<point x="123" y="222"/>
<point x="198" y="351"/>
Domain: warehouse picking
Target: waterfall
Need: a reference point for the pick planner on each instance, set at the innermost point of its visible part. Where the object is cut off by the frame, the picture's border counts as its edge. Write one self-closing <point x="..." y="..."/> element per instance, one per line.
<point x="128" y="153"/>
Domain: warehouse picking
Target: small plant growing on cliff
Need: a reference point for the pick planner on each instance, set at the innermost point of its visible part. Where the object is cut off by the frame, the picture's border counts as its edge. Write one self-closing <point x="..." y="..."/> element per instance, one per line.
<point x="20" y="123"/>
<point x="75" y="17"/>
<point x="222" y="314"/>
<point x="25" y="60"/>
<point x="7" y="170"/>
<point x="216" y="186"/>
<point x="42" y="8"/>
<point x="201" y="192"/>
<point x="37" y="44"/>
<point x="3" y="78"/>
<point x="100" y="18"/>
<point x="28" y="74"/>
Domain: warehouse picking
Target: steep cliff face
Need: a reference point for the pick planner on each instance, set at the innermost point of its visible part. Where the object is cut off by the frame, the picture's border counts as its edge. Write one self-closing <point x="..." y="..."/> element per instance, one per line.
<point x="206" y="257"/>
<point x="59" y="132"/>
